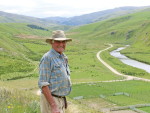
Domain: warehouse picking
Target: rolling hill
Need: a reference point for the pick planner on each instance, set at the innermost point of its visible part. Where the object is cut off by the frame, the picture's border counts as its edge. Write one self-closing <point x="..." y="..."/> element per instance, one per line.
<point x="96" y="16"/>
<point x="14" y="18"/>
<point x="122" y="29"/>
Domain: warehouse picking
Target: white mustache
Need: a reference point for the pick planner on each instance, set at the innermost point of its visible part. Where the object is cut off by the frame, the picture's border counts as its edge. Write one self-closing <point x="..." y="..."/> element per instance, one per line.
<point x="60" y="46"/>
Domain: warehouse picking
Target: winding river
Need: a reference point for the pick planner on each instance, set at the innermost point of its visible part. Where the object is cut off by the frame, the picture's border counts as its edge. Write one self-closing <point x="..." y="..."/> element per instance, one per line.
<point x="129" y="61"/>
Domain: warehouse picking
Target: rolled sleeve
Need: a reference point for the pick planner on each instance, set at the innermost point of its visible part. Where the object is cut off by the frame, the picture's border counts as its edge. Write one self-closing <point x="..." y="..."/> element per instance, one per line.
<point x="41" y="84"/>
<point x="44" y="72"/>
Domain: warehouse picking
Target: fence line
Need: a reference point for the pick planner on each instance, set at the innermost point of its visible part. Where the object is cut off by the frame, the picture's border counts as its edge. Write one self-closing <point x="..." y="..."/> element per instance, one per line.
<point x="132" y="107"/>
<point x="131" y="94"/>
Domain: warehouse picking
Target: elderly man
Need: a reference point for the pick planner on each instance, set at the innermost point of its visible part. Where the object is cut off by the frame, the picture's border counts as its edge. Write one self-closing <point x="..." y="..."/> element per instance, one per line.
<point x="54" y="75"/>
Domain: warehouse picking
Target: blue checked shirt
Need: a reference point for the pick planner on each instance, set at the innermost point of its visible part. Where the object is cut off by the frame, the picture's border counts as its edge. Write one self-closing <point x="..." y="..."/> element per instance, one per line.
<point x="54" y="72"/>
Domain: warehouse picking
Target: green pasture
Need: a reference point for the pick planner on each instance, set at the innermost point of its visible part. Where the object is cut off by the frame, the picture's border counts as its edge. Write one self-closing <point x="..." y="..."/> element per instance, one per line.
<point x="146" y="109"/>
<point x="84" y="64"/>
<point x="133" y="87"/>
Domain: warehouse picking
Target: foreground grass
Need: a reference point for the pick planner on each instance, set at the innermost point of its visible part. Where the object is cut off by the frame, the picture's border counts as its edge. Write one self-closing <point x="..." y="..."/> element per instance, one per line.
<point x="25" y="87"/>
<point x="17" y="101"/>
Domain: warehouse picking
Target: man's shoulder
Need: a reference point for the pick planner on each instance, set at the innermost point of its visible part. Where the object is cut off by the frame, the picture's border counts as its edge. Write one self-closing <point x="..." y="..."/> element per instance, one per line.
<point x="49" y="55"/>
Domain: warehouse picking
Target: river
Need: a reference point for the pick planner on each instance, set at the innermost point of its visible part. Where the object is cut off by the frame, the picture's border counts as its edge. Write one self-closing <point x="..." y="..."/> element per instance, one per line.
<point x="129" y="61"/>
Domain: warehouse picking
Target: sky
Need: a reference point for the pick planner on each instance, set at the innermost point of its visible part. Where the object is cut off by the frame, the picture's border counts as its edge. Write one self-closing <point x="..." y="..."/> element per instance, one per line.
<point x="64" y="8"/>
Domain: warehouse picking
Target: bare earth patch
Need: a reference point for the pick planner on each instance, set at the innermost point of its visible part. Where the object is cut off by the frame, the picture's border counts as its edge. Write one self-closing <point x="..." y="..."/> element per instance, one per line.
<point x="72" y="33"/>
<point x="27" y="36"/>
<point x="97" y="103"/>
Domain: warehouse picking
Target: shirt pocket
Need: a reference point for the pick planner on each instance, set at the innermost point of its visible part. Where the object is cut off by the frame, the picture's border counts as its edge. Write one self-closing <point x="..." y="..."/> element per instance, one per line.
<point x="57" y="70"/>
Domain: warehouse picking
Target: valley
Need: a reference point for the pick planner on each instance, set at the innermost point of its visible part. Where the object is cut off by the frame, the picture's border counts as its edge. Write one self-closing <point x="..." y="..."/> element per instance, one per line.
<point x="96" y="86"/>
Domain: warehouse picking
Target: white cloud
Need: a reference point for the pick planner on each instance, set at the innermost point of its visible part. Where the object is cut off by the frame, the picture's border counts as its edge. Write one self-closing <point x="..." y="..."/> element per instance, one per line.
<point x="12" y="11"/>
<point x="67" y="8"/>
<point x="24" y="3"/>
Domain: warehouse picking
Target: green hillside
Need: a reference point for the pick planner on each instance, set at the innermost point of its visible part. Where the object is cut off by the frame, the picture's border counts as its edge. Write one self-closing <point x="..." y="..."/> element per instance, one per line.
<point x="14" y="50"/>
<point x="63" y="27"/>
<point x="117" y="29"/>
<point x="132" y="29"/>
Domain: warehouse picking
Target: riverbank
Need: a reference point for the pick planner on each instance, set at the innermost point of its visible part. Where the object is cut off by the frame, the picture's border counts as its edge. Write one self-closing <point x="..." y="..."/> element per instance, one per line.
<point x="116" y="53"/>
<point x="138" y="54"/>
<point x="115" y="70"/>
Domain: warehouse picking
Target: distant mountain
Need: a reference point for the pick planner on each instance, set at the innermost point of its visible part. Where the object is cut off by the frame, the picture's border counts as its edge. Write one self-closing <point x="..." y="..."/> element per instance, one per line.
<point x="14" y="18"/>
<point x="59" y="19"/>
<point x="50" y="22"/>
<point x="96" y="16"/>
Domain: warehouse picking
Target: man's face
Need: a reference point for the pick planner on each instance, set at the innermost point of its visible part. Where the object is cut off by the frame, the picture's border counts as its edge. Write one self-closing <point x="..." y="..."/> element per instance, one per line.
<point x="59" y="46"/>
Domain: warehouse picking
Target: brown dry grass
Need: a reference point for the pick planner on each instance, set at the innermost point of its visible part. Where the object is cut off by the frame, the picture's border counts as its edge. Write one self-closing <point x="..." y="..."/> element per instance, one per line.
<point x="72" y="33"/>
<point x="28" y="36"/>
<point x="72" y="108"/>
<point x="97" y="103"/>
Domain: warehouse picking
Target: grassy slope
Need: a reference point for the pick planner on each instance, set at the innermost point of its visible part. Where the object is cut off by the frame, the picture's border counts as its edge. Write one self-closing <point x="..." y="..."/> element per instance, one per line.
<point x="13" y="48"/>
<point x="140" y="49"/>
<point x="121" y="25"/>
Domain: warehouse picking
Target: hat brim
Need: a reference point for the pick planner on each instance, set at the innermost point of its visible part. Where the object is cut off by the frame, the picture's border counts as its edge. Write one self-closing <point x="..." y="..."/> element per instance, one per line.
<point x="58" y="39"/>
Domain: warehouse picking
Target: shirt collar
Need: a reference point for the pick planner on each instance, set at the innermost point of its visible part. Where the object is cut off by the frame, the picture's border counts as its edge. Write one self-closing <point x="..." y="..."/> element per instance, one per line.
<point x="57" y="54"/>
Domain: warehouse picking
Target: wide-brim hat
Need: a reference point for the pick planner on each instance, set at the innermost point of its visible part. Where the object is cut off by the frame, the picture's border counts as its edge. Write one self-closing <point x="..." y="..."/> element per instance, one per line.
<point x="59" y="36"/>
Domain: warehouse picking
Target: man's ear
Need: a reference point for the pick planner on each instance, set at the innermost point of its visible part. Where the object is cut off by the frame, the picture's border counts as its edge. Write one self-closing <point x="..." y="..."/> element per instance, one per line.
<point x="51" y="42"/>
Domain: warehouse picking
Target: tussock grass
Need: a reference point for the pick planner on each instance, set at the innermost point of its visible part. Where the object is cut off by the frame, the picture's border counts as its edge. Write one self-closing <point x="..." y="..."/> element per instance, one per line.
<point x="17" y="101"/>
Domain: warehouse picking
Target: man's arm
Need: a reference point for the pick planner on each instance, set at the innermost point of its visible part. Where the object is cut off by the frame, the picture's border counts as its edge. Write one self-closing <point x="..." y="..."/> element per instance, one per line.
<point x="47" y="93"/>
